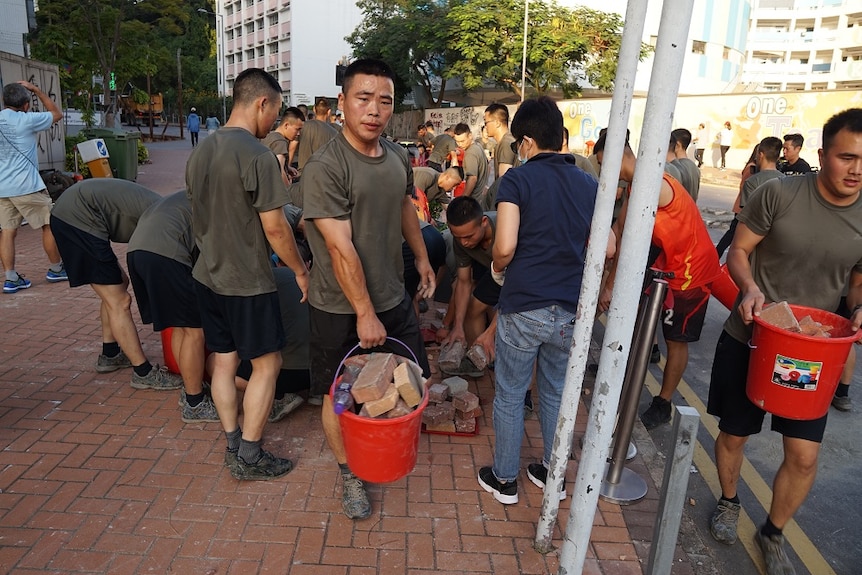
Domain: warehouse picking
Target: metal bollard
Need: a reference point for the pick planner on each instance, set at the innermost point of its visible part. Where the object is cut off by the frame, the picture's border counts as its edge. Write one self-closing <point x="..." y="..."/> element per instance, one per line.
<point x="622" y="485"/>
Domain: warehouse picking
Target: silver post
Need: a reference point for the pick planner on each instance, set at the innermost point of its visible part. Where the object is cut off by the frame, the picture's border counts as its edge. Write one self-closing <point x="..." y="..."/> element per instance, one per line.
<point x="673" y="490"/>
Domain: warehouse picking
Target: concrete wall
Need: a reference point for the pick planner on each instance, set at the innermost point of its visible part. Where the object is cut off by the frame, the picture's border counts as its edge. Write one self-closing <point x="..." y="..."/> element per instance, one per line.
<point x="51" y="144"/>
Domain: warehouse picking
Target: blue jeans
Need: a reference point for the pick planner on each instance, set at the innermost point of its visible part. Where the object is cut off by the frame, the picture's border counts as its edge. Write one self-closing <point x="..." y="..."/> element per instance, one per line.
<point x="523" y="338"/>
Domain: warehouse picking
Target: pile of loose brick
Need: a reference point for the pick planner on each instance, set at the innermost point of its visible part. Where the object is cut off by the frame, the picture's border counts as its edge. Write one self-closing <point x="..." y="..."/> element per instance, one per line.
<point x="452" y="408"/>
<point x="780" y="315"/>
<point x="387" y="385"/>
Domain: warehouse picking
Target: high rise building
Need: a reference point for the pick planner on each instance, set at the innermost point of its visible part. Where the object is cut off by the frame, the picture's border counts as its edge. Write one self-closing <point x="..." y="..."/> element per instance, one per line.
<point x="804" y="45"/>
<point x="17" y="18"/>
<point x="299" y="42"/>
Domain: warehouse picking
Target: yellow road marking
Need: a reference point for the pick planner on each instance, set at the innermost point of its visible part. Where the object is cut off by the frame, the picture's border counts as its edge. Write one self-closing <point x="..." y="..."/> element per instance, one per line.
<point x="801" y="544"/>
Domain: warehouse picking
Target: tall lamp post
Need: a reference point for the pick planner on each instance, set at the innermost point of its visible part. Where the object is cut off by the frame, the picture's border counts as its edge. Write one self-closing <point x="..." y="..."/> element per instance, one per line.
<point x="223" y="78"/>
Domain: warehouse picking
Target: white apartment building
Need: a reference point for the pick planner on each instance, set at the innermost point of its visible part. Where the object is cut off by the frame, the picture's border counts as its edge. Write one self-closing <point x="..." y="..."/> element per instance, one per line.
<point x="298" y="42"/>
<point x="16" y="19"/>
<point x="804" y="45"/>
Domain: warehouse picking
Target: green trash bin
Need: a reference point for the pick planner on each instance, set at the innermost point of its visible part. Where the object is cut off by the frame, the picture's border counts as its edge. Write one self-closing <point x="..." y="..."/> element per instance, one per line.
<point x="122" y="149"/>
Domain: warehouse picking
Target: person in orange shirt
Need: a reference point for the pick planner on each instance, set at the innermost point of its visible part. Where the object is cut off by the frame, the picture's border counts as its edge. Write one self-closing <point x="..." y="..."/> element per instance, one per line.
<point x="683" y="247"/>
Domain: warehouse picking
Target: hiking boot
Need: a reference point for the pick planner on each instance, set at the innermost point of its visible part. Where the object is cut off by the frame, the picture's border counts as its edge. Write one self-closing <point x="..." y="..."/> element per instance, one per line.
<point x="354" y="498"/>
<point x="54" y="277"/>
<point x="538" y="474"/>
<point x="723" y="522"/>
<point x="12" y="286"/>
<point x="230" y="460"/>
<point x="657" y="413"/>
<point x="282" y="407"/>
<point x="107" y="364"/>
<point x="205" y="411"/>
<point x="777" y="561"/>
<point x="267" y="467"/>
<point x="159" y="378"/>
<point x="842" y="403"/>
<point x="655" y="354"/>
<point x="505" y="493"/>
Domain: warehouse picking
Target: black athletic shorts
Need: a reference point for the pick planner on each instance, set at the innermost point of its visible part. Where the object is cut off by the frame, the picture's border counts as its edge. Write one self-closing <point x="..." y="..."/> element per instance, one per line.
<point x="487" y="290"/>
<point x="334" y="334"/>
<point x="288" y="381"/>
<point x="843" y="310"/>
<point x="249" y="325"/>
<point x="728" y="401"/>
<point x="164" y="289"/>
<point x="435" y="245"/>
<point x="88" y="259"/>
<point x="683" y="314"/>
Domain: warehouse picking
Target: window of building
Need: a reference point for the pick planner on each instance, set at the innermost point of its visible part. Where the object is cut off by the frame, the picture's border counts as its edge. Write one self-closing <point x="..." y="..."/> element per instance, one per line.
<point x="249" y="28"/>
<point x="698" y="47"/>
<point x="229" y="10"/>
<point x="249" y="54"/>
<point x="249" y="3"/>
<point x="239" y="57"/>
<point x="273" y="48"/>
<point x="274" y="74"/>
<point x="259" y="23"/>
<point x="231" y="59"/>
<point x="272" y="19"/>
<point x="230" y="34"/>
<point x="260" y="52"/>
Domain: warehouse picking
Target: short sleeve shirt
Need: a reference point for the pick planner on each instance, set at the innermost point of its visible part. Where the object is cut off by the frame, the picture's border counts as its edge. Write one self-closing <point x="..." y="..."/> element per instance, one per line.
<point x="314" y="134"/>
<point x="753" y="182"/>
<point x="689" y="176"/>
<point x="808" y="250"/>
<point x="476" y="164"/>
<point x="426" y="180"/>
<point x="107" y="208"/>
<point x="166" y="229"/>
<point x="230" y="179"/>
<point x="19" y="162"/>
<point x="339" y="182"/>
<point x="277" y="143"/>
<point x="503" y="153"/>
<point x="443" y="144"/>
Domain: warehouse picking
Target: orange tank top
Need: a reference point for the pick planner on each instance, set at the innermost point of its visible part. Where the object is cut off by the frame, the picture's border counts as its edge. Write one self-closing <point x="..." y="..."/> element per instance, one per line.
<point x="686" y="248"/>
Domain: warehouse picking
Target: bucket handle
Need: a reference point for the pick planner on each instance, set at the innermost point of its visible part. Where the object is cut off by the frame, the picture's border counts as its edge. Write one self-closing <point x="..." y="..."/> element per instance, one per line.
<point x="751" y="345"/>
<point x="355" y="347"/>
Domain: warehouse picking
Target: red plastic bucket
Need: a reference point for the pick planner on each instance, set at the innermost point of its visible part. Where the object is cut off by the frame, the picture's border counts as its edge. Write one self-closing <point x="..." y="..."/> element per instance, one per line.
<point x="381" y="450"/>
<point x="167" y="352"/>
<point x="724" y="288"/>
<point x="793" y="375"/>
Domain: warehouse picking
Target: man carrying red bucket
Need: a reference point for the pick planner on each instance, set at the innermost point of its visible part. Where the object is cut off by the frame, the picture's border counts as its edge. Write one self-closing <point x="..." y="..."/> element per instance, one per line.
<point x="797" y="240"/>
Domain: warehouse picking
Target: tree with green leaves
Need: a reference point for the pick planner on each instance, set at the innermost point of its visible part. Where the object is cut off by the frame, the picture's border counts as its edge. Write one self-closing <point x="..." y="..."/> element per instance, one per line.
<point x="566" y="48"/>
<point x="413" y="37"/>
<point x="129" y="38"/>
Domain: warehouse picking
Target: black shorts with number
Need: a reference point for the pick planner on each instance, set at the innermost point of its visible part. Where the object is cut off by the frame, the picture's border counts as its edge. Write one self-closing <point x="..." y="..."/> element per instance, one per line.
<point x="728" y="401"/>
<point x="683" y="314"/>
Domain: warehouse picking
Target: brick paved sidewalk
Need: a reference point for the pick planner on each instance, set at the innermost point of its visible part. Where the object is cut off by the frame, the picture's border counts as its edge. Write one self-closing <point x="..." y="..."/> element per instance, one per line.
<point x="97" y="477"/>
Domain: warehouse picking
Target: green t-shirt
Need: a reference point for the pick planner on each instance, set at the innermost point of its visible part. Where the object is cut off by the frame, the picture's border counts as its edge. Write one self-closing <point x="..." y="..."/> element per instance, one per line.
<point x="107" y="208"/>
<point x="443" y="144"/>
<point x="277" y="143"/>
<point x="166" y="229"/>
<point x="689" y="176"/>
<point x="426" y="180"/>
<point x="503" y="154"/>
<point x="314" y="134"/>
<point x="809" y="247"/>
<point x="476" y="164"/>
<point x="339" y="182"/>
<point x="230" y="178"/>
<point x="753" y="182"/>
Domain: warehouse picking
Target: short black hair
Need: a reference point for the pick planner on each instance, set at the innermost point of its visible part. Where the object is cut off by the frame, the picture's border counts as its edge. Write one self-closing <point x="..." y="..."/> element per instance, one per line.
<point x="463" y="210"/>
<point x="461" y="128"/>
<point x="850" y="120"/>
<point x="540" y="119"/>
<point x="499" y="112"/>
<point x="368" y="66"/>
<point x="600" y="144"/>
<point x="770" y="147"/>
<point x="682" y="136"/>
<point x="252" y="83"/>
<point x="429" y="124"/>
<point x="796" y="140"/>
<point x="292" y="113"/>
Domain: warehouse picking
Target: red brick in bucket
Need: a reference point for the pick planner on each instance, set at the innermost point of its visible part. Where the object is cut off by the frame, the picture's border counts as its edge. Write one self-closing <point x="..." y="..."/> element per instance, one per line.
<point x="794" y="375"/>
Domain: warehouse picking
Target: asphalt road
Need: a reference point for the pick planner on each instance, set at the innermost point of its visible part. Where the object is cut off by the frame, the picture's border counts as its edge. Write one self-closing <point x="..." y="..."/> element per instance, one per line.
<point x="825" y="539"/>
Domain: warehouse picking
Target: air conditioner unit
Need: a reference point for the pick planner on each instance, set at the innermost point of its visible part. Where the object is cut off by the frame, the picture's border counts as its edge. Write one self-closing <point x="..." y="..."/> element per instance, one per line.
<point x="285" y="36"/>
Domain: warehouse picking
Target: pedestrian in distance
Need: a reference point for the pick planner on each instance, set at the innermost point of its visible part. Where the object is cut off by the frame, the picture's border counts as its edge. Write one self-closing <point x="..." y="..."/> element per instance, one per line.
<point x="194" y="123"/>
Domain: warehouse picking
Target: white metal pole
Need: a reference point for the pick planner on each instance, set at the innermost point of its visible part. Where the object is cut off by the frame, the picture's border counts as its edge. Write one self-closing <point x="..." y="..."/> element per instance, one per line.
<point x="578" y="355"/>
<point x="524" y="52"/>
<point x="652" y="151"/>
<point x="223" y="71"/>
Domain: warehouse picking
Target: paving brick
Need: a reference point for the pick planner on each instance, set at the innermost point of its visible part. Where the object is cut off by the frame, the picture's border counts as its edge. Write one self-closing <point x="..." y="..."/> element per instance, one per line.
<point x="421" y="547"/>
